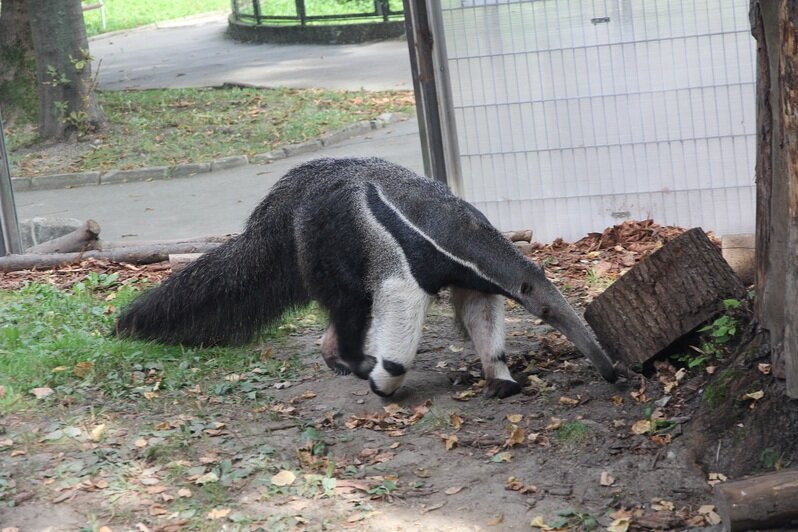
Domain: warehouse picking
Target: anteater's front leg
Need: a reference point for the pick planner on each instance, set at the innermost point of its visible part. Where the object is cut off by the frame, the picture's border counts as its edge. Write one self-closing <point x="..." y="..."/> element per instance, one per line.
<point x="482" y="315"/>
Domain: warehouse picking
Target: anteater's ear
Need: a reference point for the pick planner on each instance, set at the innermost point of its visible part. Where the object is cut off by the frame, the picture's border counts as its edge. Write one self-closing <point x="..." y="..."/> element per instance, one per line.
<point x="526" y="289"/>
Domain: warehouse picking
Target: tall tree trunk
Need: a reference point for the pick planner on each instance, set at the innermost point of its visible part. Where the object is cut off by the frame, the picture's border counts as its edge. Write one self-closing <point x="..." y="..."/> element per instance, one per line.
<point x="774" y="24"/>
<point x="67" y="102"/>
<point x="17" y="61"/>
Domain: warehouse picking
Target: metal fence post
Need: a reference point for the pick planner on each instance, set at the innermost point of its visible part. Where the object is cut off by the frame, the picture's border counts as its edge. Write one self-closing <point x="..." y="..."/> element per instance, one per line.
<point x="10" y="241"/>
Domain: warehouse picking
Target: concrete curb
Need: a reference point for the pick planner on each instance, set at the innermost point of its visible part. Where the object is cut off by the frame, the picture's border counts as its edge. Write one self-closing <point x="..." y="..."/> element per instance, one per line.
<point x="79" y="179"/>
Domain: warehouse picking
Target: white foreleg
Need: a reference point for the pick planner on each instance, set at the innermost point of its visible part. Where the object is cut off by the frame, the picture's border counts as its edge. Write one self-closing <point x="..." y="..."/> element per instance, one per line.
<point x="482" y="315"/>
<point x="400" y="306"/>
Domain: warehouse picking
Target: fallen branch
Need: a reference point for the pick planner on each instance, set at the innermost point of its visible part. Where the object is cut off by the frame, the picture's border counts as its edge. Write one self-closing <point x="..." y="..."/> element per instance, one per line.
<point x="132" y="255"/>
<point x="81" y="239"/>
<point x="519" y="236"/>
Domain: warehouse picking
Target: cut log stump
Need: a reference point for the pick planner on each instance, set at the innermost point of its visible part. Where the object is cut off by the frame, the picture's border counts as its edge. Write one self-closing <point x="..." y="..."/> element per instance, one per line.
<point x="762" y="502"/>
<point x="662" y="298"/>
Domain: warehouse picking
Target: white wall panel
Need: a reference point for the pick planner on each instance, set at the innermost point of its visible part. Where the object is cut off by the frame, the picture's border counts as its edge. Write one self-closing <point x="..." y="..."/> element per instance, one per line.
<point x="567" y="124"/>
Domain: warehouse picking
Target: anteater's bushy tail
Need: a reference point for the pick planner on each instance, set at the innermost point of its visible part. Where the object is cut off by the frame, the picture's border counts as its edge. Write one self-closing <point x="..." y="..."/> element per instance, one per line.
<point x="227" y="295"/>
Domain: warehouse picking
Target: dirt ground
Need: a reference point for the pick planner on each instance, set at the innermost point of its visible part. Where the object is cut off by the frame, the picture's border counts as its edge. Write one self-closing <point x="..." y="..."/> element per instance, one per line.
<point x="323" y="453"/>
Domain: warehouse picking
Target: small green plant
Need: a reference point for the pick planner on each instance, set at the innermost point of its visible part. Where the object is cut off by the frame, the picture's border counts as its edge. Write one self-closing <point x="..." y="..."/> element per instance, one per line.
<point x="572" y="519"/>
<point x="574" y="432"/>
<point x="57" y="79"/>
<point x="382" y="490"/>
<point x="718" y="334"/>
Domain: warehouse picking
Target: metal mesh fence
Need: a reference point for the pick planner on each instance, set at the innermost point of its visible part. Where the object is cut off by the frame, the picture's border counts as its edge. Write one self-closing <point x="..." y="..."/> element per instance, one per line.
<point x="573" y="115"/>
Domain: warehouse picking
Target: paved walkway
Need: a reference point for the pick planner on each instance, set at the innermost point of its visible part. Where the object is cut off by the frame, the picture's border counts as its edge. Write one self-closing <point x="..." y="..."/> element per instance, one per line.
<point x="196" y="54"/>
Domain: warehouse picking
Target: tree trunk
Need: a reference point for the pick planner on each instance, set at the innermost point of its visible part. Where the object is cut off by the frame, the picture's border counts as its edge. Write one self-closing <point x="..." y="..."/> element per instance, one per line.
<point x="764" y="501"/>
<point x="773" y="24"/>
<point x="17" y="62"/>
<point x="67" y="103"/>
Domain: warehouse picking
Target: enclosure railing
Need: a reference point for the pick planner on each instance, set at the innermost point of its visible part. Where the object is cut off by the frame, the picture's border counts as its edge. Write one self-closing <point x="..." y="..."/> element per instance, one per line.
<point x="279" y="13"/>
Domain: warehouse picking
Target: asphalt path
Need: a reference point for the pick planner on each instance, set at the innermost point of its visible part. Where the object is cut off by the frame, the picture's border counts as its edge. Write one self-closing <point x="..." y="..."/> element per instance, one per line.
<point x="196" y="53"/>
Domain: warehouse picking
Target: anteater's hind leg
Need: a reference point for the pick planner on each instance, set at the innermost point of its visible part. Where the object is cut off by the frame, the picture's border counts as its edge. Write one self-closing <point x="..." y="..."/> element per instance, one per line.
<point x="329" y="350"/>
<point x="400" y="306"/>
<point x="482" y="315"/>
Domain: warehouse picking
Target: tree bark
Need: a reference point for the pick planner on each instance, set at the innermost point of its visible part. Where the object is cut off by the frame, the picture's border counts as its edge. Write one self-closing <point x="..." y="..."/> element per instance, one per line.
<point x="67" y="103"/>
<point x="760" y="502"/>
<point x="773" y="24"/>
<point x="17" y="61"/>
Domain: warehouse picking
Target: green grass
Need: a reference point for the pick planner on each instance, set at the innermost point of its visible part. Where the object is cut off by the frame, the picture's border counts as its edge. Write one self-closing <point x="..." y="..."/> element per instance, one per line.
<point x="127" y="14"/>
<point x="61" y="339"/>
<point x="172" y="126"/>
<point x="573" y="432"/>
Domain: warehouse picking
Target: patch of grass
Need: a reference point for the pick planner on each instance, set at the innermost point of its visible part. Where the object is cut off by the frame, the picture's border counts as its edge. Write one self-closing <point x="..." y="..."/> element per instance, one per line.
<point x="127" y="14"/>
<point x="716" y="393"/>
<point x="61" y="339"/>
<point x="573" y="432"/>
<point x="171" y="126"/>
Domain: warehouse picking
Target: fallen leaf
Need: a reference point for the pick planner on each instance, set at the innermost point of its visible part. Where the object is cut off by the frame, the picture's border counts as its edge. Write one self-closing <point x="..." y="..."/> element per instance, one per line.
<point x="157" y="509"/>
<point x="499" y="519"/>
<point x="501" y="457"/>
<point x="97" y="432"/>
<point x="641" y="427"/>
<point x="450" y="441"/>
<point x="456" y="420"/>
<point x="515" y="418"/>
<point x="140" y="443"/>
<point x="619" y="525"/>
<point x="568" y="401"/>
<point x="184" y="492"/>
<point x="218" y="513"/>
<point x="150" y="395"/>
<point x="453" y="490"/>
<point x="18" y="452"/>
<point x="41" y="393"/>
<point x="754" y="396"/>
<point x="209" y="478"/>
<point x="82" y="369"/>
<point x="283" y="478"/>
<point x="394" y="445"/>
<point x="422" y="472"/>
<point x="763" y="368"/>
<point x="555" y="424"/>
<point x="606" y="479"/>
<point x="464" y="395"/>
<point x="716" y="478"/>
<point x="662" y="505"/>
<point x="8" y="442"/>
<point x="517" y="437"/>
<point x="426" y="509"/>
<point x="104" y="529"/>
<point x="713" y="518"/>
<point x="617" y="400"/>
<point x="101" y="484"/>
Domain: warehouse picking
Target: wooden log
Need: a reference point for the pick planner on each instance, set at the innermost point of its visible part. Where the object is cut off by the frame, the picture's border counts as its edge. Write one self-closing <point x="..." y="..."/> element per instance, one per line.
<point x="738" y="250"/>
<point x="662" y="298"/>
<point x="178" y="261"/>
<point x="81" y="239"/>
<point x="761" y="502"/>
<point x="132" y="255"/>
<point x="108" y="245"/>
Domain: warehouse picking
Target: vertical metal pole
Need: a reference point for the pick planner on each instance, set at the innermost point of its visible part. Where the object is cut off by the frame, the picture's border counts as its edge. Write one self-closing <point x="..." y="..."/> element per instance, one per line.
<point x="300" y="11"/>
<point x="443" y="89"/>
<point x="419" y="41"/>
<point x="10" y="241"/>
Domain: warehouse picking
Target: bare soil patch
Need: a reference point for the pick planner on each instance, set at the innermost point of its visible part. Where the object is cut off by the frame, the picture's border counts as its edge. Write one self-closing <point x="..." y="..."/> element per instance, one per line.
<point x="314" y="451"/>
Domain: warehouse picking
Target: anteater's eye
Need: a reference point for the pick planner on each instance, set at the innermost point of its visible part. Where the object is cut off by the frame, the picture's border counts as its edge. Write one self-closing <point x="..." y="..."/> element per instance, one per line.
<point x="544" y="311"/>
